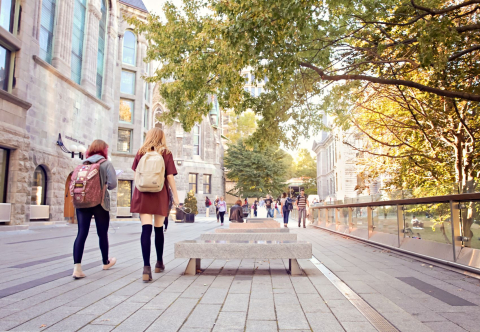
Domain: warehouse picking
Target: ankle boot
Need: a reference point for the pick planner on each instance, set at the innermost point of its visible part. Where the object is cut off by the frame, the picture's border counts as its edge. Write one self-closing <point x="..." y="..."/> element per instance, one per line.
<point x="147" y="273"/>
<point x="159" y="267"/>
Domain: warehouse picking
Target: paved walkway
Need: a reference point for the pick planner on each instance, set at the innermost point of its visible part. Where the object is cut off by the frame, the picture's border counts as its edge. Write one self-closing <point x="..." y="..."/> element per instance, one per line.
<point x="37" y="292"/>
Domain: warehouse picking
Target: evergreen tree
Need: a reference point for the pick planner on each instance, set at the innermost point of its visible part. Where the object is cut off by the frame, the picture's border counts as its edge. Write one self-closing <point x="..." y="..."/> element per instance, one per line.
<point x="191" y="203"/>
<point x="256" y="171"/>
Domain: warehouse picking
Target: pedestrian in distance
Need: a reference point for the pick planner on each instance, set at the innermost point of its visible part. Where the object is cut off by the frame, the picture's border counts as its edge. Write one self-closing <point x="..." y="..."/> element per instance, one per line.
<point x="208" y="203"/>
<point x="88" y="189"/>
<point x="255" y="208"/>
<point x="154" y="172"/>
<point x="302" y="206"/>
<point x="222" y="208"/>
<point x="286" y="205"/>
<point x="278" y="206"/>
<point x="216" y="208"/>
<point x="236" y="212"/>
<point x="269" y="206"/>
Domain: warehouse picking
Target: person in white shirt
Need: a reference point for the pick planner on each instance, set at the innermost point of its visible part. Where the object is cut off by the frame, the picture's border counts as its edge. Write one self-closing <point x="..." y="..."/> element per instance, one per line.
<point x="222" y="208"/>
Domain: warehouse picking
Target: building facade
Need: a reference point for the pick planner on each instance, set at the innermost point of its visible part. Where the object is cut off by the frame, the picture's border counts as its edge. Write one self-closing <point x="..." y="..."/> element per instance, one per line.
<point x="72" y="73"/>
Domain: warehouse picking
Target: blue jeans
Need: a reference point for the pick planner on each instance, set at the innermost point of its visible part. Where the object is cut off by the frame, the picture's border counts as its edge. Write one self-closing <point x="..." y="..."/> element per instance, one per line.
<point x="286" y="214"/>
<point x="270" y="213"/>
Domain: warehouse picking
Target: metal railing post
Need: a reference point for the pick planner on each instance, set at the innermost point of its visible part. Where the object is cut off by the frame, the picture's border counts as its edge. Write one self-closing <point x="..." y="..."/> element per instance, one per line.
<point x="456" y="234"/>
<point x="370" y="221"/>
<point x="400" y="224"/>
<point x="350" y="219"/>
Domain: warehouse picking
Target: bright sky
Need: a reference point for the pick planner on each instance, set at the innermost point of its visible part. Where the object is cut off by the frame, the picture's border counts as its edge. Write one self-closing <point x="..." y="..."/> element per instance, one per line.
<point x="155" y="7"/>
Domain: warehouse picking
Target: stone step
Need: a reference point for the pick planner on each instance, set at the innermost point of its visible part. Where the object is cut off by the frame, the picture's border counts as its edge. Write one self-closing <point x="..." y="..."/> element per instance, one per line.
<point x="249" y="236"/>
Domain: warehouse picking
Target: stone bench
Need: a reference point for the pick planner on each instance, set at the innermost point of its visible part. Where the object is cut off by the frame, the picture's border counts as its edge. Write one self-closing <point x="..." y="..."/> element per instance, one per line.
<point x="195" y="250"/>
<point x="255" y="225"/>
<point x="252" y="230"/>
<point x="249" y="237"/>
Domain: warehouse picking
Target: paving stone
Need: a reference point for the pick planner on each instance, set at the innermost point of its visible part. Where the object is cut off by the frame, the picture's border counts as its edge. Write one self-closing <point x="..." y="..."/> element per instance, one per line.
<point x="358" y="327"/>
<point x="203" y="316"/>
<point x="72" y="323"/>
<point x="162" y="301"/>
<point x="230" y="321"/>
<point x="118" y="314"/>
<point x="291" y="316"/>
<point x="261" y="326"/>
<point x="139" y="321"/>
<point x="444" y="327"/>
<point x="323" y="322"/>
<point x="240" y="286"/>
<point x="173" y="318"/>
<point x="97" y="328"/>
<point x="236" y="302"/>
<point x="312" y="303"/>
<point x="214" y="296"/>
<point x="261" y="309"/>
<point x="47" y="319"/>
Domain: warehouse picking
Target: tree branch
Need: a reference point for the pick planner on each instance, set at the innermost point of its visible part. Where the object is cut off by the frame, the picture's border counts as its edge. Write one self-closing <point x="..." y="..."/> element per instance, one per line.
<point x="387" y="81"/>
<point x="468" y="50"/>
<point x="445" y="10"/>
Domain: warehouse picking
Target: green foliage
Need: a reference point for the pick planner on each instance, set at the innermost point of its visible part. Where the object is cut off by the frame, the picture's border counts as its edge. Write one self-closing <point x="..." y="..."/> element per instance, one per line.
<point x="191" y="203"/>
<point x="256" y="171"/>
<point x="241" y="126"/>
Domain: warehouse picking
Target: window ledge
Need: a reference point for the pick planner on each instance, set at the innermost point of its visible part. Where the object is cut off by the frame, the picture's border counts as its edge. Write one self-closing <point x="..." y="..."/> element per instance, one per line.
<point x="14" y="100"/>
<point x="57" y="73"/>
<point x="8" y="40"/>
<point x="126" y="154"/>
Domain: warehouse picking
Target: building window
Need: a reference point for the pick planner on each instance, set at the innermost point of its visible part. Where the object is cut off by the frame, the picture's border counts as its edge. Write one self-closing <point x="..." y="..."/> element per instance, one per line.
<point x="126" y="110"/>
<point x="127" y="82"/>
<point x="129" y="48"/>
<point x="124" y="140"/>
<point x="147" y="93"/>
<point x="259" y="91"/>
<point x="192" y="182"/>
<point x="252" y="91"/>
<point x="39" y="186"/>
<point x="196" y="140"/>
<point x="207" y="183"/>
<point x="46" y="29"/>
<point x="102" y="28"/>
<point x="77" y="39"/>
<point x="4" y="68"/>
<point x="4" y="157"/>
<point x="145" y="117"/>
<point x="7" y="9"/>
<point x="124" y="193"/>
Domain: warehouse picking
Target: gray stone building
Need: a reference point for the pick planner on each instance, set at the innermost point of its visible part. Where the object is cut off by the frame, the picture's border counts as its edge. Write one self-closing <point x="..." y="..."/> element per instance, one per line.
<point x="69" y="68"/>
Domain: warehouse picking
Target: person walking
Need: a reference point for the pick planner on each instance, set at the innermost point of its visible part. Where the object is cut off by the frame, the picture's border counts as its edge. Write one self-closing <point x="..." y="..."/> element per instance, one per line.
<point x="255" y="208"/>
<point x="216" y="208"/>
<point x="285" y="207"/>
<point x="269" y="206"/>
<point x="222" y="208"/>
<point x="153" y="206"/>
<point x="278" y="206"/>
<point x="302" y="206"/>
<point x="98" y="169"/>
<point x="236" y="212"/>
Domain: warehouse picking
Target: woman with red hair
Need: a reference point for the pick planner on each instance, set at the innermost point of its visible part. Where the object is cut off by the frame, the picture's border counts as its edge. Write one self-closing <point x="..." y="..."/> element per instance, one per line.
<point x="97" y="153"/>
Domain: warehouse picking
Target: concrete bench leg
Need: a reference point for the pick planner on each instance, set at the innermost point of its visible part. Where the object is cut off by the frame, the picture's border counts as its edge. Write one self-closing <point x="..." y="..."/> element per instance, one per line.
<point x="294" y="268"/>
<point x="192" y="266"/>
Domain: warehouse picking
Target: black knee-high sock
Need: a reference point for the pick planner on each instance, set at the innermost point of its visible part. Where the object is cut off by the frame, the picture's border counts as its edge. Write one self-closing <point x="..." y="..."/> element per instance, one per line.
<point x="145" y="240"/>
<point x="159" y="243"/>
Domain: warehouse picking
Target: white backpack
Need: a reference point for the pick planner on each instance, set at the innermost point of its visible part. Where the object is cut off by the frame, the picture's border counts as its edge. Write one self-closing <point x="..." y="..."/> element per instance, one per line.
<point x="150" y="172"/>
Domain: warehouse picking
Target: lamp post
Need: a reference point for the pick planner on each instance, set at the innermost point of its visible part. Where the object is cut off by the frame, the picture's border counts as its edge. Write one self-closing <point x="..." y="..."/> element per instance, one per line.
<point x="74" y="149"/>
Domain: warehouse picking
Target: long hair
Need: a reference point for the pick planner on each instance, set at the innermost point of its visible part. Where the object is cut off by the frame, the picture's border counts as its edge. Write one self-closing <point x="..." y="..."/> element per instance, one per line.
<point x="154" y="141"/>
<point x="98" y="147"/>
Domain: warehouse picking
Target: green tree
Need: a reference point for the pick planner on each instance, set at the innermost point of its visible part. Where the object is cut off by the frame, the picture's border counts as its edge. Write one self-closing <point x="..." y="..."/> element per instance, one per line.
<point x="256" y="171"/>
<point x="240" y="126"/>
<point x="306" y="167"/>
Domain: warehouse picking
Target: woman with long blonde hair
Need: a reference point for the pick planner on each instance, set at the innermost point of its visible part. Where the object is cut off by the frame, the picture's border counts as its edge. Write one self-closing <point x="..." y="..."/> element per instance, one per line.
<point x="153" y="207"/>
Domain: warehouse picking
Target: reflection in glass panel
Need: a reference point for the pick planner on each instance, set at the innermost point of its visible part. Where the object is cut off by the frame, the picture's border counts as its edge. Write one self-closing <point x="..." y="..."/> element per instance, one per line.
<point x="359" y="224"/>
<point x="126" y="111"/>
<point x="6" y="10"/>
<point x="384" y="218"/>
<point x="470" y="224"/>
<point x="39" y="186"/>
<point x="129" y="48"/>
<point x="46" y="29"/>
<point x="127" y="84"/>
<point x="207" y="179"/>
<point x="3" y="174"/>
<point x="344" y="216"/>
<point x="192" y="182"/>
<point x="331" y="216"/>
<point x="124" y="140"/>
<point x="430" y="222"/>
<point x="124" y="193"/>
<point x="4" y="68"/>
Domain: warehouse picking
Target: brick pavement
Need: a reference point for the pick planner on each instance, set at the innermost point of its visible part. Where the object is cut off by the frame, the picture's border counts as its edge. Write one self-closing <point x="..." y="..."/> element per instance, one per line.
<point x="230" y="295"/>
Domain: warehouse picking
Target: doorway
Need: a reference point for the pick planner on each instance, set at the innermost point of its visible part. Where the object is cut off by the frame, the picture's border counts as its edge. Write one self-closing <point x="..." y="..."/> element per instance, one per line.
<point x="68" y="209"/>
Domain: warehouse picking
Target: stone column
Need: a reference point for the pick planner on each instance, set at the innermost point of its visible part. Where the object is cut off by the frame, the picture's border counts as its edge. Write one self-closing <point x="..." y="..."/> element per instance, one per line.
<point x="62" y="44"/>
<point x="89" y="68"/>
<point x="110" y="59"/>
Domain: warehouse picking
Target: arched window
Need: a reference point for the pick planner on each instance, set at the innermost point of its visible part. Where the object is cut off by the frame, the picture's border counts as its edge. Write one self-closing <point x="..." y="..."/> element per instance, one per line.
<point x="78" y="35"/>
<point x="39" y="186"/>
<point x="102" y="28"/>
<point x="46" y="29"/>
<point x="158" y="112"/>
<point x="129" y="48"/>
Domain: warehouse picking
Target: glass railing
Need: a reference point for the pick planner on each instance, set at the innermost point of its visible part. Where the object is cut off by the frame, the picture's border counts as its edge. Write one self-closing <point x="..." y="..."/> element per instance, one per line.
<point x="445" y="227"/>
